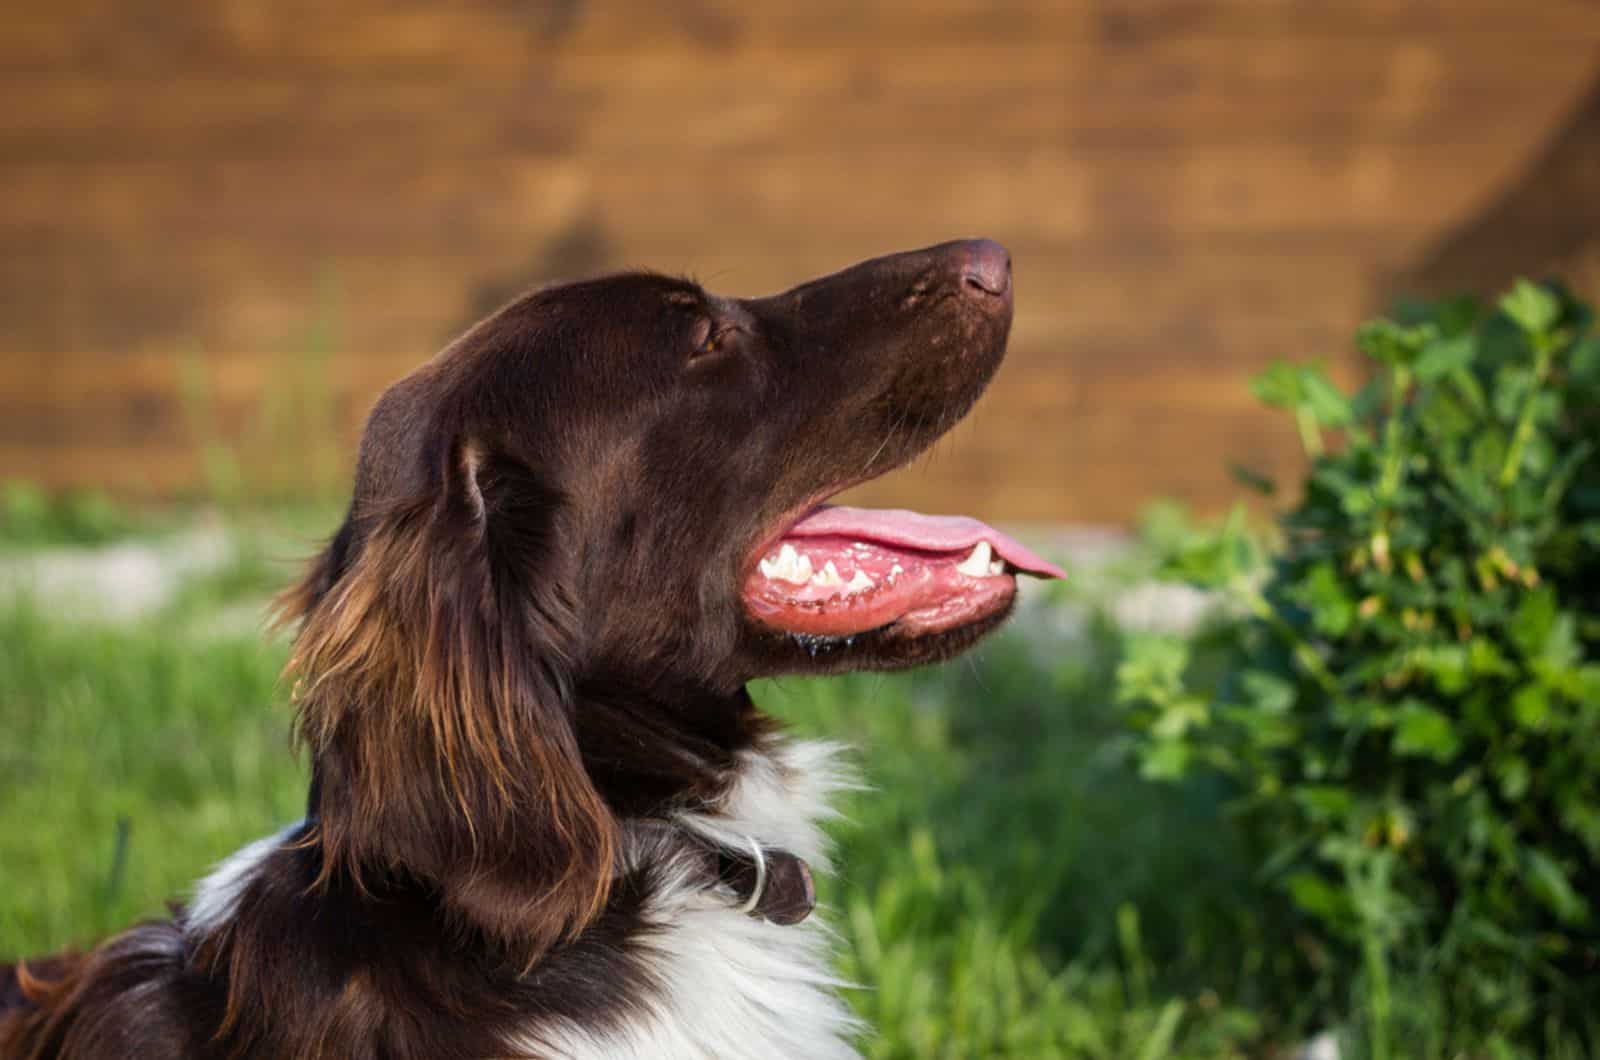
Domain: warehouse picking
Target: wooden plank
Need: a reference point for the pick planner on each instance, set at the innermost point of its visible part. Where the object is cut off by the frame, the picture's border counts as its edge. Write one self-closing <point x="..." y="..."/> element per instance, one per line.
<point x="612" y="28"/>
<point x="1005" y="95"/>
<point x="295" y="34"/>
<point x="1057" y="192"/>
<point x="89" y="117"/>
<point x="307" y="36"/>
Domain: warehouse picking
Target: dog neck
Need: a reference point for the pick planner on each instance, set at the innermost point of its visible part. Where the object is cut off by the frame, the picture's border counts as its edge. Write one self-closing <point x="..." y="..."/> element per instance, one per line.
<point x="659" y="750"/>
<point x="655" y="751"/>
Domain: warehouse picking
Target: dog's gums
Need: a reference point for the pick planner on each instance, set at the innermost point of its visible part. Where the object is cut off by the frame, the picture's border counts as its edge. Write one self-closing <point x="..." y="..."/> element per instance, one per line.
<point x="842" y="571"/>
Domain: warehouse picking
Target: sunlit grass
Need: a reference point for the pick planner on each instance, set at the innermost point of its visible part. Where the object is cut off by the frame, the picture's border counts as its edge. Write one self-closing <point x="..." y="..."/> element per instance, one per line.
<point x="132" y="759"/>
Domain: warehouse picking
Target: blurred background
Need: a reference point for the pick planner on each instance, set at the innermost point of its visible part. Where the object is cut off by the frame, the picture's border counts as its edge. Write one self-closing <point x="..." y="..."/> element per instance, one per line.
<point x="234" y="222"/>
<point x="227" y="225"/>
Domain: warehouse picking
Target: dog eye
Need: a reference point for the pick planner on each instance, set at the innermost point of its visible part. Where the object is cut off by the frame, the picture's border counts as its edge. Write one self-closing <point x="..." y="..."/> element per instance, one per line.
<point x="710" y="339"/>
<point x="701" y="333"/>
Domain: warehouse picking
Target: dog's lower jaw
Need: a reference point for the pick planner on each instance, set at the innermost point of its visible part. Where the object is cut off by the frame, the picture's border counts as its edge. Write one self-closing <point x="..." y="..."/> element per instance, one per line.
<point x="887" y="649"/>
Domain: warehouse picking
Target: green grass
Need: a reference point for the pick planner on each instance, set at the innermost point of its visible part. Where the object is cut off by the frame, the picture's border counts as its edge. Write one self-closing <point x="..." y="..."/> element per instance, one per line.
<point x="1007" y="885"/>
<point x="133" y="759"/>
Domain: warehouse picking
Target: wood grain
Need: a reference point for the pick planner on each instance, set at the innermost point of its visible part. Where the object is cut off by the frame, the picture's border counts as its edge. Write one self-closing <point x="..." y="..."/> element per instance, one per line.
<point x="295" y="201"/>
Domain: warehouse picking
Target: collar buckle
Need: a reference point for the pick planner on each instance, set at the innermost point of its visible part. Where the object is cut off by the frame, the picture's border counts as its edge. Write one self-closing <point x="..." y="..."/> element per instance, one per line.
<point x="776" y="885"/>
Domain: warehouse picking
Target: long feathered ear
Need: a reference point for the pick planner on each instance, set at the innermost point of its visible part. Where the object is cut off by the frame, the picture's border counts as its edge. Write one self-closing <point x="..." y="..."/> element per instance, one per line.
<point x="430" y="685"/>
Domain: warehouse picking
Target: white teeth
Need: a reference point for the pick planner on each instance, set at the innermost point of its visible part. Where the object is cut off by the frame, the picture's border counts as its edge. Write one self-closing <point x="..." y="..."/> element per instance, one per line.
<point x="790" y="566"/>
<point x="997" y="567"/>
<point x="976" y="565"/>
<point x="795" y="567"/>
<point x="828" y="577"/>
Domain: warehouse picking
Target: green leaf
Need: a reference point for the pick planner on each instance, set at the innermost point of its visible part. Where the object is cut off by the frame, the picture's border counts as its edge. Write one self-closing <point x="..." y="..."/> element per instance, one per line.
<point x="1265" y="731"/>
<point x="1180" y="715"/>
<point x="1213" y="559"/>
<point x="1486" y="659"/>
<point x="1327" y="402"/>
<point x="1513" y="775"/>
<point x="1444" y="357"/>
<point x="1323" y="594"/>
<point x="1152" y="668"/>
<point x="1530" y="706"/>
<point x="1470" y="391"/>
<point x="1583" y="821"/>
<point x="1277" y="385"/>
<point x="1587" y="684"/>
<point x="1167" y="760"/>
<point x="1267" y="692"/>
<point x="1584" y="361"/>
<point x="1424" y="732"/>
<point x="1533" y="622"/>
<point x="1324" y="801"/>
<point x="1534" y="309"/>
<point x="1447" y="664"/>
<point x="1560" y="653"/>
<point x="1318" y="897"/>
<point x="1548" y="881"/>
<point x="1393" y="344"/>
<point x="1159" y="1043"/>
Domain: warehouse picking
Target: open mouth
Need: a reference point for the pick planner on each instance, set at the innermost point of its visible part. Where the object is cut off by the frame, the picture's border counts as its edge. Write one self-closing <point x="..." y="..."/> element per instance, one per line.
<point x="840" y="571"/>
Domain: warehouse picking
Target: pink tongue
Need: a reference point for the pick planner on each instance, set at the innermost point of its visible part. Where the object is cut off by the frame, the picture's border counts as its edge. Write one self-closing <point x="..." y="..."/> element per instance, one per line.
<point x="927" y="533"/>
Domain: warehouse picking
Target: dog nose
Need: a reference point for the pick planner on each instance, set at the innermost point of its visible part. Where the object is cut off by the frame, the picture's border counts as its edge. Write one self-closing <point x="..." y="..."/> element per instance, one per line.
<point x="985" y="269"/>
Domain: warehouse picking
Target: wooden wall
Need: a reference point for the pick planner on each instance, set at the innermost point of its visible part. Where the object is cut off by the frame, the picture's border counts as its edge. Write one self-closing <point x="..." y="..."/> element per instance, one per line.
<point x="220" y="213"/>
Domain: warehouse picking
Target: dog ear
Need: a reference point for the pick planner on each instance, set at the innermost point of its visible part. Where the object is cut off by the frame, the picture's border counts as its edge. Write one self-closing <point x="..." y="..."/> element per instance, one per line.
<point x="431" y="687"/>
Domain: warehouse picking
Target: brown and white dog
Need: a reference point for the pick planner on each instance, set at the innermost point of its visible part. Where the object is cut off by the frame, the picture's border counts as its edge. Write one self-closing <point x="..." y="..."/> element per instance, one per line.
<point x="545" y="817"/>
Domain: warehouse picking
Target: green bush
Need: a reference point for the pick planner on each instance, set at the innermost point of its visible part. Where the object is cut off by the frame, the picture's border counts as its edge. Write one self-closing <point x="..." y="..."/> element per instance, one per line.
<point x="1404" y="685"/>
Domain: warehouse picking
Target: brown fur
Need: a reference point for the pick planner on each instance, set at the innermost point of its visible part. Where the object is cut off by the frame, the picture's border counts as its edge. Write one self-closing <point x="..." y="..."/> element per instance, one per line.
<point x="526" y="643"/>
<point x="416" y="624"/>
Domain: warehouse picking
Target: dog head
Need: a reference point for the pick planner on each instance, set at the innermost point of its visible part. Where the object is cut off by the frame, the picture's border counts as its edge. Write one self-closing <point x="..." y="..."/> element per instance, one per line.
<point x="621" y="483"/>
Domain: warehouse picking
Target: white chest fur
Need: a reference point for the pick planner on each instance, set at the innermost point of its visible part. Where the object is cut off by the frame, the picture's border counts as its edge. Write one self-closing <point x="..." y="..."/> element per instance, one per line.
<point x="730" y="986"/>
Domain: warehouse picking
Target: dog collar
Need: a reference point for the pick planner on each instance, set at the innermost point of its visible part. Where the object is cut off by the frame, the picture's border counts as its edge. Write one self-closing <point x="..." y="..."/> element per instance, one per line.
<point x="768" y="882"/>
<point x="774" y="884"/>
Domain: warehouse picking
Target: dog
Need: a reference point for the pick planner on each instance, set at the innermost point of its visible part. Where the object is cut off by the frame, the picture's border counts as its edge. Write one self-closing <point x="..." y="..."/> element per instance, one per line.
<point x="545" y="817"/>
